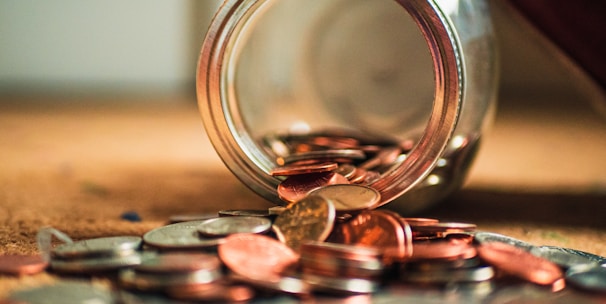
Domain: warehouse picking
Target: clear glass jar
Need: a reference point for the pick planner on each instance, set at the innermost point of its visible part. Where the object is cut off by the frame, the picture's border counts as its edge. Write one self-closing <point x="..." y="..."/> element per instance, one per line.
<point x="420" y="71"/>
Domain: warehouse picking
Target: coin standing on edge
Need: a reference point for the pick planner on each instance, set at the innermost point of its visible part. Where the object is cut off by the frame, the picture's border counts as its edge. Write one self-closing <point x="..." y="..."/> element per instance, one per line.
<point x="310" y="219"/>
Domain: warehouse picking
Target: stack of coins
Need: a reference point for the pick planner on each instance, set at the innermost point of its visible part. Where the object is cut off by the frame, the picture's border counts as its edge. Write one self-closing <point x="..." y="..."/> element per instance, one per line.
<point x="333" y="267"/>
<point x="96" y="255"/>
<point x="179" y="274"/>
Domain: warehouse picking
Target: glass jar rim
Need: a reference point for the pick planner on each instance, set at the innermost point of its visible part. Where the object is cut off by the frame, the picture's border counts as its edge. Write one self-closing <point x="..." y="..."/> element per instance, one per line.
<point x="238" y="151"/>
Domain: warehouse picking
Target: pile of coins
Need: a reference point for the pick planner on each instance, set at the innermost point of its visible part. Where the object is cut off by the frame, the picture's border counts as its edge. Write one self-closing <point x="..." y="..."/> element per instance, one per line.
<point x="329" y="240"/>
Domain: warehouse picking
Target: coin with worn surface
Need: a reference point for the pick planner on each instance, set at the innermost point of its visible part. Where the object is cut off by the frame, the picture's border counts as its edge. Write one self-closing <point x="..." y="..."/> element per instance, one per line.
<point x="256" y="256"/>
<point x="178" y="262"/>
<point x="105" y="246"/>
<point x="483" y="237"/>
<point x="95" y="264"/>
<point x="295" y="188"/>
<point x="303" y="169"/>
<point x="310" y="219"/>
<point x="350" y="197"/>
<point x="588" y="277"/>
<point x="15" y="264"/>
<point x="223" y="226"/>
<point x="179" y="236"/>
<point x="520" y="263"/>
<point x="66" y="292"/>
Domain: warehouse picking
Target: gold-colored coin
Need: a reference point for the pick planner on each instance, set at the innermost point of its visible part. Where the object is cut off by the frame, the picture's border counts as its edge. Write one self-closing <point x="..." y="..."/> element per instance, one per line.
<point x="310" y="219"/>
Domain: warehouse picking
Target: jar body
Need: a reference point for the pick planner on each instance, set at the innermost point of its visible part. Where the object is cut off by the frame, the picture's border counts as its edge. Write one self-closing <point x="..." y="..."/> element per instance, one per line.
<point x="419" y="71"/>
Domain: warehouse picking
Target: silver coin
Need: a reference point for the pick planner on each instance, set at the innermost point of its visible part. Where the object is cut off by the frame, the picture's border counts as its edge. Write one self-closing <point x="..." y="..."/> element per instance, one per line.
<point x="179" y="236"/>
<point x="95" y="264"/>
<point x="350" y="197"/>
<point x="341" y="285"/>
<point x="461" y="275"/>
<point x="130" y="278"/>
<point x="105" y="246"/>
<point x="65" y="292"/>
<point x="223" y="226"/>
<point x="487" y="237"/>
<point x="588" y="277"/>
<point x="565" y="257"/>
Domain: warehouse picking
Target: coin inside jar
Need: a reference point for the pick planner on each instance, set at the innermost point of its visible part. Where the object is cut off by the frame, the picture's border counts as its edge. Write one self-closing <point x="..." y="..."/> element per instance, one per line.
<point x="223" y="226"/>
<point x="296" y="187"/>
<point x="350" y="197"/>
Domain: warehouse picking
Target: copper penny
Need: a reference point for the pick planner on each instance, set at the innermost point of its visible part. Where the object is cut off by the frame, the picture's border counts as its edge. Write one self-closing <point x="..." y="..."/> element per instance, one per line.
<point x="417" y="221"/>
<point x="520" y="263"/>
<point x="178" y="262"/>
<point x="323" y="154"/>
<point x="303" y="169"/>
<point x="373" y="228"/>
<point x="295" y="188"/>
<point x="310" y="219"/>
<point x="255" y="256"/>
<point x="442" y="250"/>
<point x="22" y="264"/>
<point x="385" y="156"/>
<point x="350" y="197"/>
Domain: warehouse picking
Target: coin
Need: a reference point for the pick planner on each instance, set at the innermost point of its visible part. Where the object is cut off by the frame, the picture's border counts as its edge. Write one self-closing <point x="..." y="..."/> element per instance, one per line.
<point x="564" y="257"/>
<point x="213" y="293"/>
<point x="459" y="275"/>
<point x="104" y="246"/>
<point x="347" y="170"/>
<point x="255" y="256"/>
<point x="375" y="228"/>
<point x="178" y="262"/>
<point x="325" y="155"/>
<point x="284" y="284"/>
<point x="484" y="237"/>
<point x="520" y="263"/>
<point x="14" y="264"/>
<point x="147" y="281"/>
<point x="588" y="277"/>
<point x="223" y="226"/>
<point x="246" y="212"/>
<point x="341" y="285"/>
<point x="65" y="292"/>
<point x="303" y="169"/>
<point x="349" y="197"/>
<point x="442" y="250"/>
<point x="310" y="219"/>
<point x="95" y="264"/>
<point x="295" y="188"/>
<point x="179" y="236"/>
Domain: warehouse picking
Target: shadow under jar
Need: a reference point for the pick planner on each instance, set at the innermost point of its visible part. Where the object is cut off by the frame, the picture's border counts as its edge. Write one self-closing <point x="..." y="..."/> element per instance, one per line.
<point x="416" y="75"/>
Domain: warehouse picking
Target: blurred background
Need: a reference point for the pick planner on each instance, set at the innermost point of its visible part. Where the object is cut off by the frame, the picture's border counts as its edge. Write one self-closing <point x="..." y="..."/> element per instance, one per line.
<point x="550" y="122"/>
<point x="151" y="47"/>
